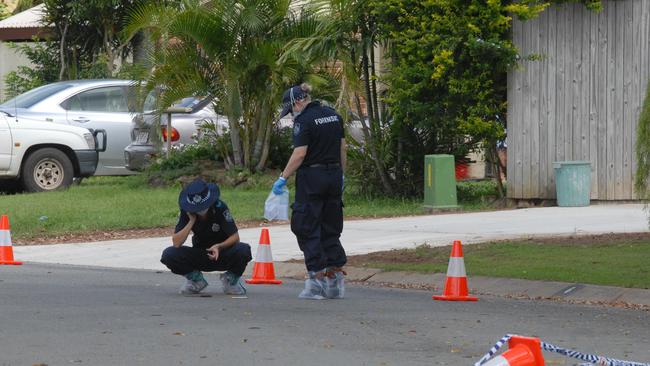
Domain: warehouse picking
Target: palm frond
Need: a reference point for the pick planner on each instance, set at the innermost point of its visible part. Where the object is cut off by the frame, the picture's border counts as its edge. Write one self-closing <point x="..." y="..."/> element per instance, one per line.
<point x="153" y="17"/>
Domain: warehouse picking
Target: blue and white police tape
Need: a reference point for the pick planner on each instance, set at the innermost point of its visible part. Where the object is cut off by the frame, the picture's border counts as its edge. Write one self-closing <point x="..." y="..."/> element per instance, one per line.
<point x="591" y="359"/>
<point x="493" y="350"/>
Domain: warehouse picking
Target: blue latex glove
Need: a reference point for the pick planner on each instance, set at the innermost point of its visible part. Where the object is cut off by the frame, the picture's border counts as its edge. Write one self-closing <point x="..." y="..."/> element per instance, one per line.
<point x="278" y="185"/>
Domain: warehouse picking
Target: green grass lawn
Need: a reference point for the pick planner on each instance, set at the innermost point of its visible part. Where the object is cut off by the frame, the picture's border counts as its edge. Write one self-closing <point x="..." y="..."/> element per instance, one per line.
<point x="97" y="204"/>
<point x="120" y="203"/>
<point x="623" y="263"/>
<point x="117" y="203"/>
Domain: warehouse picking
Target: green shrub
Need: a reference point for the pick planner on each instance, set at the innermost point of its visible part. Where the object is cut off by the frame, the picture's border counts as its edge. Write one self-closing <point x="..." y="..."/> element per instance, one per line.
<point x="4" y="12"/>
<point x="184" y="157"/>
<point x="281" y="147"/>
<point x="476" y="191"/>
<point x="188" y="160"/>
<point x="642" y="175"/>
<point x="206" y="158"/>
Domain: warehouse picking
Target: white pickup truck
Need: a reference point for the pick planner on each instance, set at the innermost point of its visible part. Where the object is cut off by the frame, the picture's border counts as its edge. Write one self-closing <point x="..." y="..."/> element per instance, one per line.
<point x="45" y="156"/>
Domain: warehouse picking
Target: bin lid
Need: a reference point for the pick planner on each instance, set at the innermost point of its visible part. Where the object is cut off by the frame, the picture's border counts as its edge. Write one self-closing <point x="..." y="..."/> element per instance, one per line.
<point x="559" y="164"/>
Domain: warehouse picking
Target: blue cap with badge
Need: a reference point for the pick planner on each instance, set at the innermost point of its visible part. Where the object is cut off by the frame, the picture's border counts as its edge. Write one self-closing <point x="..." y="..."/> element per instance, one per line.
<point x="291" y="96"/>
<point x="198" y="196"/>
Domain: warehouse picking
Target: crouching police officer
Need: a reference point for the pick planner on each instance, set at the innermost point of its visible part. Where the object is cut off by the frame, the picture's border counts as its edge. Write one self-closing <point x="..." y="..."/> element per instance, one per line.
<point x="215" y="243"/>
<point x="318" y="158"/>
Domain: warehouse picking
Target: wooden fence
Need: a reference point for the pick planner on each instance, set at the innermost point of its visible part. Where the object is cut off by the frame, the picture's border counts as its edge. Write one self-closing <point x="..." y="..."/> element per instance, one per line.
<point x="581" y="99"/>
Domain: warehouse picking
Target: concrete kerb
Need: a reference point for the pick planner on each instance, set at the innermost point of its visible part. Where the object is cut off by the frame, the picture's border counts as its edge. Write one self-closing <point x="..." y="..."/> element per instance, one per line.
<point x="501" y="287"/>
<point x="483" y="286"/>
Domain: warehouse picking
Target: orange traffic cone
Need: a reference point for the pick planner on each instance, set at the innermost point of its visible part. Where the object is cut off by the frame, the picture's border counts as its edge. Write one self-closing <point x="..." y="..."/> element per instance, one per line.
<point x="522" y="351"/>
<point x="263" y="272"/>
<point x="6" y="249"/>
<point x="456" y="284"/>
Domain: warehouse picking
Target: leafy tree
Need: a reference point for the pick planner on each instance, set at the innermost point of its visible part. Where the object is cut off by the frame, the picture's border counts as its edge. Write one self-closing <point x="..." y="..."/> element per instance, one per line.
<point x="22" y="5"/>
<point x="4" y="12"/>
<point x="87" y="44"/>
<point x="446" y="80"/>
<point x="87" y="32"/>
<point x="228" y="49"/>
<point x="344" y="42"/>
<point x="642" y="176"/>
<point x="44" y="68"/>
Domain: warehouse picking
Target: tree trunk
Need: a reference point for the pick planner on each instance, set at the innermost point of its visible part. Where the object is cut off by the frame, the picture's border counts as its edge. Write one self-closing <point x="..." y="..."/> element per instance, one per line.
<point x="265" y="149"/>
<point x="493" y="158"/>
<point x="246" y="140"/>
<point x="373" y="72"/>
<point x="342" y="99"/>
<point x="140" y="43"/>
<point x="235" y="140"/>
<point x="374" y="131"/>
<point x="262" y="130"/>
<point x="62" y="51"/>
<point x="234" y="117"/>
<point x="110" y="54"/>
<point x="366" y="84"/>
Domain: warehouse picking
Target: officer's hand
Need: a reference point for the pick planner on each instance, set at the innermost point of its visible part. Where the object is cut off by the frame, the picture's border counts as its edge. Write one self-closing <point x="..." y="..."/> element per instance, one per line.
<point x="278" y="185"/>
<point x="213" y="252"/>
<point x="192" y="217"/>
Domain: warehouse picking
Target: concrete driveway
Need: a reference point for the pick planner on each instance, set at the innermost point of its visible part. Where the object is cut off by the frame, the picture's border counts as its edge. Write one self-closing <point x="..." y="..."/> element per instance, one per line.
<point x="364" y="236"/>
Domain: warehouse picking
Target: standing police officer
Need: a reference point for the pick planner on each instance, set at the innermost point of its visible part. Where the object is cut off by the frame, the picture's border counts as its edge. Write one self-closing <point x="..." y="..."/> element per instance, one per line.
<point x="319" y="158"/>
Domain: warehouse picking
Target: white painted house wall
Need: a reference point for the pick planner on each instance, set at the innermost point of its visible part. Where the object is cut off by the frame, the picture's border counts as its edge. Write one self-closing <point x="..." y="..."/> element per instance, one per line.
<point x="20" y="27"/>
<point x="10" y="60"/>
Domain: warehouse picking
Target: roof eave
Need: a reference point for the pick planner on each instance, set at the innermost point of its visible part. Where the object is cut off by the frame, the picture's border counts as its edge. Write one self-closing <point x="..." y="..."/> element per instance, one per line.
<point x="25" y="34"/>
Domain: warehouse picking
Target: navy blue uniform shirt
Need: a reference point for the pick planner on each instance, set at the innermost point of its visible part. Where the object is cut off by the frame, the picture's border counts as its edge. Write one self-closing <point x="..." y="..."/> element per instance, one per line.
<point x="217" y="227"/>
<point x="319" y="128"/>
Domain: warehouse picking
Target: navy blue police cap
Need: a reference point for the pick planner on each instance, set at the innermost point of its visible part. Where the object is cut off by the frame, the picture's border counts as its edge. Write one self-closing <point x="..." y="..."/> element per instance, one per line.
<point x="198" y="196"/>
<point x="291" y="96"/>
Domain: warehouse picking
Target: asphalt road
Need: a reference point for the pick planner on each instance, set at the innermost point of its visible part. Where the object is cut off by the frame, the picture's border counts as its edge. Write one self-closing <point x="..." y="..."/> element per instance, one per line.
<point x="65" y="315"/>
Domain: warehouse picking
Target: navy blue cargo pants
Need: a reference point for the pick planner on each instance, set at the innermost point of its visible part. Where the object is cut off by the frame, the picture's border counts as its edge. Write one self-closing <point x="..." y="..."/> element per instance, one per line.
<point x="184" y="259"/>
<point x="317" y="217"/>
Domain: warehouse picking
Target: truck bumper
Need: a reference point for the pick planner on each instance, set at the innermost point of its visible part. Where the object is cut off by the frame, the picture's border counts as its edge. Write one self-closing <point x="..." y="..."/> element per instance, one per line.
<point x="87" y="162"/>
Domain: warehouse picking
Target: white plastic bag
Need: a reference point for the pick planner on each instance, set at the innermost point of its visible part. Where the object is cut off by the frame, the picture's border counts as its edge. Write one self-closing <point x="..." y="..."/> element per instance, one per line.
<point x="276" y="206"/>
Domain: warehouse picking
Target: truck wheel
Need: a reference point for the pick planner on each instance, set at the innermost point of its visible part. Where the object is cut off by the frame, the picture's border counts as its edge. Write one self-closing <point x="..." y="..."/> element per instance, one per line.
<point x="46" y="170"/>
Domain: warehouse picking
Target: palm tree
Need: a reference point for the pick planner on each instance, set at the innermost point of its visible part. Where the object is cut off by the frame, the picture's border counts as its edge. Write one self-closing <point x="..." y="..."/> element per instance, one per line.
<point x="345" y="36"/>
<point x="229" y="49"/>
